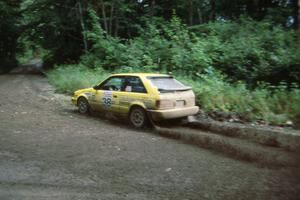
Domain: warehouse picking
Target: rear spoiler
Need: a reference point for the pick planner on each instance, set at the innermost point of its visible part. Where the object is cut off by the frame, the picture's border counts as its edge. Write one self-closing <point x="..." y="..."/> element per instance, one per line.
<point x="174" y="89"/>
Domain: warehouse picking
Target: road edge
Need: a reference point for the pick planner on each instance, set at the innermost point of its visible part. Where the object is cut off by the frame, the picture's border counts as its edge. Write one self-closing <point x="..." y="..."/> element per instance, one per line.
<point x="288" y="140"/>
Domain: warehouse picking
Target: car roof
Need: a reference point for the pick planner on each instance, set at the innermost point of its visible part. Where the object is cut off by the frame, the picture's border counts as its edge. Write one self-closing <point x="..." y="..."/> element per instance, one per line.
<point x="140" y="74"/>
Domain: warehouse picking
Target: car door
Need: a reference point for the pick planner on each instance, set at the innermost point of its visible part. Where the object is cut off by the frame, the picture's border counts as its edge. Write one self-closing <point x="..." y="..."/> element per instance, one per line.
<point x="132" y="91"/>
<point x="106" y="96"/>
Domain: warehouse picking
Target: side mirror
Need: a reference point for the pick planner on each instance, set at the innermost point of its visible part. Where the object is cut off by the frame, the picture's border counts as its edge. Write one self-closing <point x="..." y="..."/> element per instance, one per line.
<point x="95" y="87"/>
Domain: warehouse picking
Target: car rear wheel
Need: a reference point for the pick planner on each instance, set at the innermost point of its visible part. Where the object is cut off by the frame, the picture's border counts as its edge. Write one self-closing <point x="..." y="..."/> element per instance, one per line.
<point x="83" y="105"/>
<point x="138" y="117"/>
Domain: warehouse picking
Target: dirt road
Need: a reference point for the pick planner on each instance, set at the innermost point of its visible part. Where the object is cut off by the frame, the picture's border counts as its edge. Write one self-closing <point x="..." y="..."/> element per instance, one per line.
<point x="49" y="151"/>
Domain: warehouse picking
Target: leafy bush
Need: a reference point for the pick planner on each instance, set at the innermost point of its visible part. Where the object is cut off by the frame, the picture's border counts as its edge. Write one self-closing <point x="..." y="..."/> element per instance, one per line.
<point x="244" y="49"/>
<point x="255" y="51"/>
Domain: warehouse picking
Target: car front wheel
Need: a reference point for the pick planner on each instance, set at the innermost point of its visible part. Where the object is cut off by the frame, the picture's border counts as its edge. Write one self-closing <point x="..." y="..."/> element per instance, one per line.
<point x="83" y="105"/>
<point x="138" y="117"/>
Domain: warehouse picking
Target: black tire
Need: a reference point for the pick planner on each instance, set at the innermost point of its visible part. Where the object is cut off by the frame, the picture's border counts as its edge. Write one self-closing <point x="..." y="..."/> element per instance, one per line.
<point x="83" y="105"/>
<point x="138" y="117"/>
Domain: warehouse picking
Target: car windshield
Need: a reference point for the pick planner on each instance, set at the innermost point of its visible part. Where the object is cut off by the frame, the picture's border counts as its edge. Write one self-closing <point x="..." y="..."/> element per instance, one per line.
<point x="167" y="83"/>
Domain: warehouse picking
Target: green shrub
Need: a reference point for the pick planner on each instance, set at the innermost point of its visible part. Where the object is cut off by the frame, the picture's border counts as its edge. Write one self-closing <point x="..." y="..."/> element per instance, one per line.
<point x="244" y="49"/>
<point x="255" y="51"/>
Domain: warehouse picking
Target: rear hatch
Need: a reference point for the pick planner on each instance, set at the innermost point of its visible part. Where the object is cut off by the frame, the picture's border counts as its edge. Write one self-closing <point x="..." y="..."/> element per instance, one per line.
<point x="173" y="94"/>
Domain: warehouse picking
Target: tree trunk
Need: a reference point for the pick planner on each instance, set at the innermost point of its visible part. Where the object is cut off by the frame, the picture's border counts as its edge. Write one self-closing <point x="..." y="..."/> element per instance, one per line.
<point x="82" y="27"/>
<point x="296" y="13"/>
<point x="191" y="13"/>
<point x="213" y="10"/>
<point x="104" y="16"/>
<point x="297" y="16"/>
<point x="152" y="3"/>
<point x="116" y="32"/>
<point x="111" y="18"/>
<point x="200" y="16"/>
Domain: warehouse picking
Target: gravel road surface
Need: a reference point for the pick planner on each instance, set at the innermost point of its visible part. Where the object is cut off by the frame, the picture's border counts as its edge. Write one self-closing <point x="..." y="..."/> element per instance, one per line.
<point x="49" y="151"/>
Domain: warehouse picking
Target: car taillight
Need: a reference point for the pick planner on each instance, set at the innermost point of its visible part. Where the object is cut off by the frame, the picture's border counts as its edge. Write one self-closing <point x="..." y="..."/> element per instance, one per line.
<point x="164" y="104"/>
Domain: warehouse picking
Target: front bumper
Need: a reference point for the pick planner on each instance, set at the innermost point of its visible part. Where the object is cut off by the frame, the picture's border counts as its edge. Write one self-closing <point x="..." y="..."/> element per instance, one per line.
<point x="173" y="113"/>
<point x="74" y="101"/>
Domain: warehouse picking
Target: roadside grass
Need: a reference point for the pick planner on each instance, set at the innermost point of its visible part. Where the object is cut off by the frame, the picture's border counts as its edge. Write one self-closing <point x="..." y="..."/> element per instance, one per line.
<point x="275" y="105"/>
<point x="69" y="78"/>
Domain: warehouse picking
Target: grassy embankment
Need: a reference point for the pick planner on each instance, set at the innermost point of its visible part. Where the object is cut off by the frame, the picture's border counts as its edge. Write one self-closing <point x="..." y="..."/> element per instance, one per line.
<point x="275" y="105"/>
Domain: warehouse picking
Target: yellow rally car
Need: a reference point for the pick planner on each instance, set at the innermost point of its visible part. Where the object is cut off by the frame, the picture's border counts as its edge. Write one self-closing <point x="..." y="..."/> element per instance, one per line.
<point x="138" y="97"/>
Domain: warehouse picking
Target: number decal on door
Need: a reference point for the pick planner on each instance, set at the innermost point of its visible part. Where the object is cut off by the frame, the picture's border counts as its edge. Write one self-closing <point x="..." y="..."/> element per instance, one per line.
<point x="107" y="99"/>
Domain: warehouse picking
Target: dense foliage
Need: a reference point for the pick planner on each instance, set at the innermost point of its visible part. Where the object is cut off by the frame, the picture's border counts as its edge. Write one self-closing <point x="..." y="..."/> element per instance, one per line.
<point x="243" y="50"/>
<point x="60" y="26"/>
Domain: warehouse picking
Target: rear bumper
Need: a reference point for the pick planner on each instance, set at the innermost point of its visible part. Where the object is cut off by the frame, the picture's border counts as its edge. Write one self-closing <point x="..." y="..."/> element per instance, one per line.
<point x="173" y="113"/>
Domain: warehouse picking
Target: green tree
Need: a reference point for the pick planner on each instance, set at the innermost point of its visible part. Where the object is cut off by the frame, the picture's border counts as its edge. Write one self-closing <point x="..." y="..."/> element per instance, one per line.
<point x="56" y="26"/>
<point x="9" y="33"/>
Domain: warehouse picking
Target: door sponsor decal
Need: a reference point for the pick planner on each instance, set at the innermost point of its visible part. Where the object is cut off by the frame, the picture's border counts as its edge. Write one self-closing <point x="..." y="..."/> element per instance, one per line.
<point x="107" y="99"/>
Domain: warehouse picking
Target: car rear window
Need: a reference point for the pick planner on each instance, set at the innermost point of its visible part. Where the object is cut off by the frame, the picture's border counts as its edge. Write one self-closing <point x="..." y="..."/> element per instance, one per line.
<point x="167" y="83"/>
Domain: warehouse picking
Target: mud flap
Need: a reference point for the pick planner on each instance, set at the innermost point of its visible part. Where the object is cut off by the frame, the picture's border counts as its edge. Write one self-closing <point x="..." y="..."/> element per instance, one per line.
<point x="151" y="122"/>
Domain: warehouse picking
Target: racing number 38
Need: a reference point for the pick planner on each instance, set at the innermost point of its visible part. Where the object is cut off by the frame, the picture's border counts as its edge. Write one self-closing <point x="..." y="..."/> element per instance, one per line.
<point x="106" y="101"/>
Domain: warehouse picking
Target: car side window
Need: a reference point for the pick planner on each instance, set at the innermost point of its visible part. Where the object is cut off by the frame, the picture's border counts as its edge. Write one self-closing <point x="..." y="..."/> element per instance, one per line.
<point x="133" y="84"/>
<point x="113" y="84"/>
